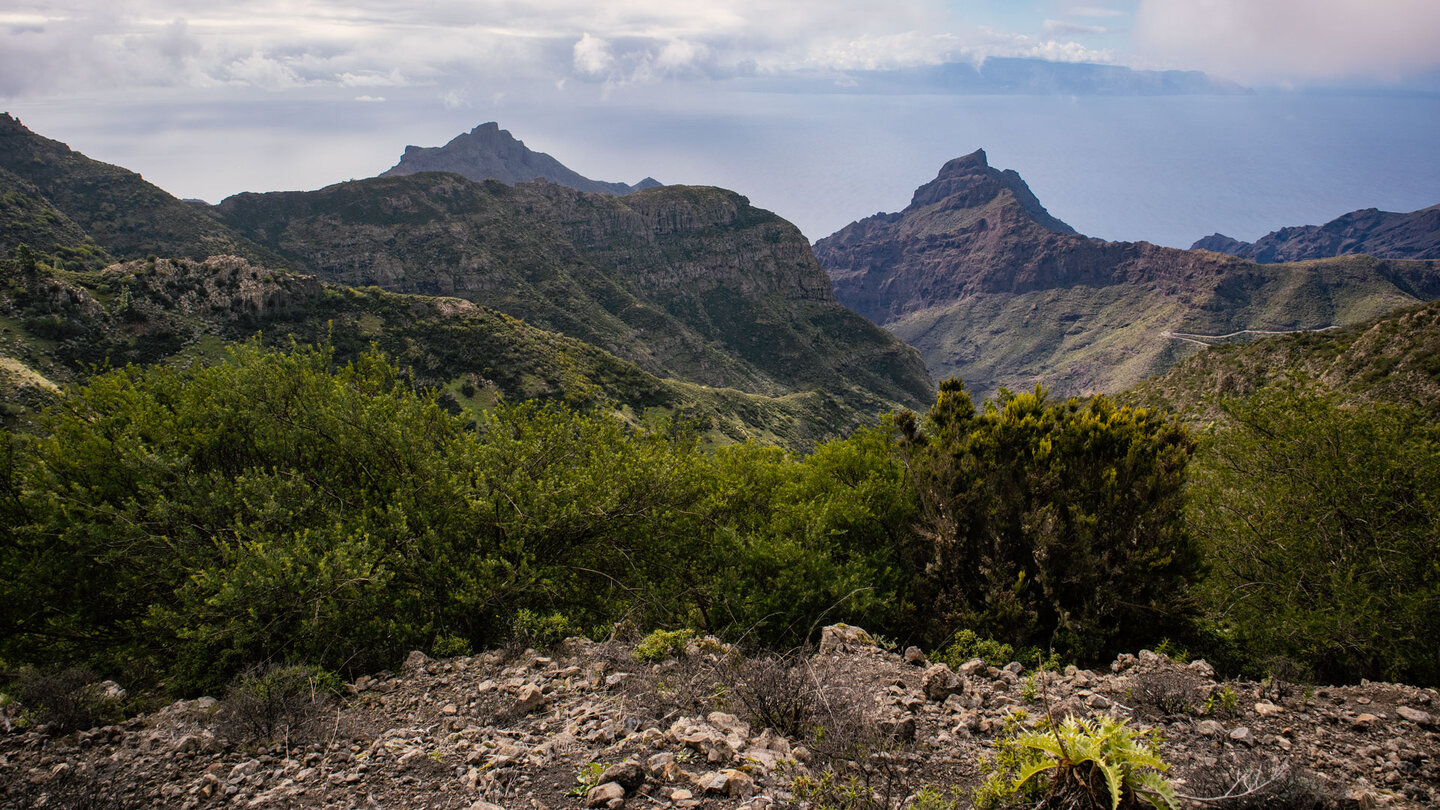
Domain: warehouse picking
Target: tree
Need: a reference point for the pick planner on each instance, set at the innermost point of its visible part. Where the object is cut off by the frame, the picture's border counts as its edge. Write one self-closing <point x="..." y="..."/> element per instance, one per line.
<point x="1322" y="523"/>
<point x="1052" y="524"/>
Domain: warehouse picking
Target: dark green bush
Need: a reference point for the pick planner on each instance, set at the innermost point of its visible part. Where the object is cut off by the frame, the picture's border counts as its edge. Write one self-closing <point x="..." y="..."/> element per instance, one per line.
<point x="1051" y="524"/>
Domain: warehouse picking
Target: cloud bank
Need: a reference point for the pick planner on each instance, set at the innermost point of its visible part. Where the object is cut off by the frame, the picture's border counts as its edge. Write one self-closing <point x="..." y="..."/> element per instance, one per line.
<point x="1299" y="40"/>
<point x="59" y="47"/>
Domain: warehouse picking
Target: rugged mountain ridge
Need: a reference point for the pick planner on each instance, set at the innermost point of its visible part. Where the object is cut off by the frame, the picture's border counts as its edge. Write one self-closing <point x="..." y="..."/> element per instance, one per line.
<point x="1370" y="231"/>
<point x="116" y="208"/>
<point x="683" y="281"/>
<point x="991" y="288"/>
<point x="689" y="301"/>
<point x="488" y="152"/>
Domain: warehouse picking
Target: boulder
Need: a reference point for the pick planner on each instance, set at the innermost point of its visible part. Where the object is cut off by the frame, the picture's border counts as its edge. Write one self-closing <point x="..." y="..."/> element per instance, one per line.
<point x="941" y="682"/>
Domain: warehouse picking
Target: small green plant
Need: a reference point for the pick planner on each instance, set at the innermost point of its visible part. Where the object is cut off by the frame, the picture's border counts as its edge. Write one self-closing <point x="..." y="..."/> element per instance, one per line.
<point x="449" y="646"/>
<point x="932" y="798"/>
<point x="532" y="629"/>
<point x="1082" y="762"/>
<point x="1176" y="653"/>
<point x="1224" y="701"/>
<point x="966" y="645"/>
<point x="662" y="644"/>
<point x="1030" y="691"/>
<point x="829" y="791"/>
<point x="587" y="779"/>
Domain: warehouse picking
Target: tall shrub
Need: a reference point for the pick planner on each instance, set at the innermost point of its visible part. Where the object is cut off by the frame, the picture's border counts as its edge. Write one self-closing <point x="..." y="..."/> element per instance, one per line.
<point x="1322" y="524"/>
<point x="1052" y="524"/>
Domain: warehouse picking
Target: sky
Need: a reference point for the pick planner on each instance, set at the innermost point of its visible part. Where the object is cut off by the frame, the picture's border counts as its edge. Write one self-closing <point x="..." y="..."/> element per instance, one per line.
<point x="209" y="97"/>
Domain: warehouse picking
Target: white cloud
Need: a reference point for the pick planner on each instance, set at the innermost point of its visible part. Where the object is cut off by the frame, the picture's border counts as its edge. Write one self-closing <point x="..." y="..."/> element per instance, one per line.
<point x="370" y="99"/>
<point x="1063" y="28"/>
<point x="592" y="55"/>
<point x="1279" y="40"/>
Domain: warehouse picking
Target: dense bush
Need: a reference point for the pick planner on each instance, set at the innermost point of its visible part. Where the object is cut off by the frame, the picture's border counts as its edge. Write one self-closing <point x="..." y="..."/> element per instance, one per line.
<point x="1052" y="524"/>
<point x="1321" y="525"/>
<point x="189" y="523"/>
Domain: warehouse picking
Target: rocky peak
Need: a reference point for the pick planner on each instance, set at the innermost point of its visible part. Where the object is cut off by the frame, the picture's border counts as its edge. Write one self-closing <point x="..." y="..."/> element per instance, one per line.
<point x="969" y="182"/>
<point x="488" y="152"/>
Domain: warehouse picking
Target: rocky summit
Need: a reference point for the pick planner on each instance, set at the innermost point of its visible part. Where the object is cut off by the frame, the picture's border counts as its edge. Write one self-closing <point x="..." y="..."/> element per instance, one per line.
<point x="488" y="152"/>
<point x="593" y="725"/>
<point x="992" y="288"/>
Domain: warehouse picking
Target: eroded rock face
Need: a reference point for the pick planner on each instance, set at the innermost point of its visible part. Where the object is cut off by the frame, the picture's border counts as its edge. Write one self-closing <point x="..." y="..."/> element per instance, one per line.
<point x="394" y="741"/>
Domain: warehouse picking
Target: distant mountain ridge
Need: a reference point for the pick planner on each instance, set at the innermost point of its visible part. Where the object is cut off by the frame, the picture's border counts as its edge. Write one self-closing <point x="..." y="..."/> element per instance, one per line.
<point x="488" y="152"/>
<point x="682" y="301"/>
<point x="993" y="289"/>
<point x="1370" y="231"/>
<point x="1001" y="75"/>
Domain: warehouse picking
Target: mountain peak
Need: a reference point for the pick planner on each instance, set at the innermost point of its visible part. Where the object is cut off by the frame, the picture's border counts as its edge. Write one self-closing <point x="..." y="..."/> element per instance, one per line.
<point x="970" y="182"/>
<point x="488" y="152"/>
<point x="969" y="164"/>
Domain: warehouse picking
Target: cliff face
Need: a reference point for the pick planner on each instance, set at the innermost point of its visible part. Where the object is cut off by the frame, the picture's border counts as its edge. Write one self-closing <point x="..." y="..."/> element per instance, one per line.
<point x="993" y="289"/>
<point x="1415" y="235"/>
<point x="688" y="282"/>
<point x="488" y="152"/>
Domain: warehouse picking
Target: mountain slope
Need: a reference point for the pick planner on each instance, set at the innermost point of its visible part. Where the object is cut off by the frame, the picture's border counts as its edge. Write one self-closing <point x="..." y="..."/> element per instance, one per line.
<point x="120" y="211"/>
<point x="1415" y="235"/>
<point x="1393" y="358"/>
<point x="688" y="282"/>
<point x="991" y="288"/>
<point x="59" y="325"/>
<point x="488" y="152"/>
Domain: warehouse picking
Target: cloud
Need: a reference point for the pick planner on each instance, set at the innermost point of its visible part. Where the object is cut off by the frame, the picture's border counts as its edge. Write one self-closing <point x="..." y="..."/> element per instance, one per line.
<point x="1063" y="28"/>
<point x="1283" y="40"/>
<point x="592" y="55"/>
<point x="1094" y="11"/>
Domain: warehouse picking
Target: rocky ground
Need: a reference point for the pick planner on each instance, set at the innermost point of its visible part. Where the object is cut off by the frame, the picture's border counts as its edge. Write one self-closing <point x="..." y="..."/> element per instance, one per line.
<point x="587" y="725"/>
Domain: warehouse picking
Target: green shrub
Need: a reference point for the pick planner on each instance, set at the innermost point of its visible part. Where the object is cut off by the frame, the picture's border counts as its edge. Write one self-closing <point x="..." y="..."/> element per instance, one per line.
<point x="966" y="645"/>
<point x="1303" y="505"/>
<point x="449" y="646"/>
<point x="531" y="629"/>
<point x="661" y="644"/>
<point x="1055" y="525"/>
<point x="1076" y="764"/>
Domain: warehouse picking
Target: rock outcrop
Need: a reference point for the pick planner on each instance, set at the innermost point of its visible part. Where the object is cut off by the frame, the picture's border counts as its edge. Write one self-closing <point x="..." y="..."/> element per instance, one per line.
<point x="488" y="152"/>
<point x="607" y="731"/>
